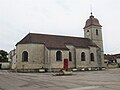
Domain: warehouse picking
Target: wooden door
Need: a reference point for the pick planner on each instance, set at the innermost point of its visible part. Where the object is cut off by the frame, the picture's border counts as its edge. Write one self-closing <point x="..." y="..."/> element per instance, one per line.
<point x="65" y="64"/>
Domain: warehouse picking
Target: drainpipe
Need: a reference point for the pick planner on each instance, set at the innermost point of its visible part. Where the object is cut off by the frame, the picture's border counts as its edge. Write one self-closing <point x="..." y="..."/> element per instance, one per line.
<point x="75" y="58"/>
<point x="50" y="60"/>
<point x="44" y="62"/>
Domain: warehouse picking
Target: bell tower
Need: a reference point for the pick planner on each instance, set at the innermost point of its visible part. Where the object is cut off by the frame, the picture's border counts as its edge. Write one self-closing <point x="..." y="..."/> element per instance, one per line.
<point x="93" y="31"/>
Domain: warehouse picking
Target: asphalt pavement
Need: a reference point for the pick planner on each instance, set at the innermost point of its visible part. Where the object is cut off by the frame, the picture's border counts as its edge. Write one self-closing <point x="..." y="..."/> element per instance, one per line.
<point x="88" y="80"/>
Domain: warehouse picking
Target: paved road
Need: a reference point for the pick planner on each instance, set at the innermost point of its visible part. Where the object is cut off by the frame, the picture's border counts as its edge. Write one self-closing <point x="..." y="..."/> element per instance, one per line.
<point x="89" y="80"/>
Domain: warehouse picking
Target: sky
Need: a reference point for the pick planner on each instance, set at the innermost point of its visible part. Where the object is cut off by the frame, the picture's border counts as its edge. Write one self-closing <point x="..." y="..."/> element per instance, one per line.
<point x="58" y="17"/>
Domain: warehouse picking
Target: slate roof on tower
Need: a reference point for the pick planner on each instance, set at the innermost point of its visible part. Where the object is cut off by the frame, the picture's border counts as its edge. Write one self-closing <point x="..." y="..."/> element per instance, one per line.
<point x="56" y="41"/>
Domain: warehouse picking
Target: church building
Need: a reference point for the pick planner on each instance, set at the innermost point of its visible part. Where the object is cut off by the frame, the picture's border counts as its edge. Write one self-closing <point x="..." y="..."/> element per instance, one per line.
<point x="55" y="52"/>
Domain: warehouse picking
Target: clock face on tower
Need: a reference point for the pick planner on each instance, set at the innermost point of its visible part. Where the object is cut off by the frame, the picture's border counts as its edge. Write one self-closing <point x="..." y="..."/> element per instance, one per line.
<point x="87" y="33"/>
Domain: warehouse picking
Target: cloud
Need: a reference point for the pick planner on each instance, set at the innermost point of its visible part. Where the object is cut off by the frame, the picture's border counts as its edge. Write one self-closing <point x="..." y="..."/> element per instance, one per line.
<point x="65" y="17"/>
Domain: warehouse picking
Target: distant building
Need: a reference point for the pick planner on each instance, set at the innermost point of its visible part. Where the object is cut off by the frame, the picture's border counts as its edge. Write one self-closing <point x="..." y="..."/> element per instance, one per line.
<point x="12" y="59"/>
<point x="4" y="65"/>
<point x="54" y="52"/>
<point x="117" y="56"/>
<point x="112" y="61"/>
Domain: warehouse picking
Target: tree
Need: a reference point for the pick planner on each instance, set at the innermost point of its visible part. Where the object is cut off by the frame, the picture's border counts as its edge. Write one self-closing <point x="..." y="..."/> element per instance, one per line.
<point x="3" y="56"/>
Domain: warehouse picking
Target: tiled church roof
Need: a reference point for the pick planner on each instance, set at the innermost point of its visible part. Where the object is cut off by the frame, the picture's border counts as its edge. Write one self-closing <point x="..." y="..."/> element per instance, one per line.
<point x="56" y="42"/>
<point x="92" y="21"/>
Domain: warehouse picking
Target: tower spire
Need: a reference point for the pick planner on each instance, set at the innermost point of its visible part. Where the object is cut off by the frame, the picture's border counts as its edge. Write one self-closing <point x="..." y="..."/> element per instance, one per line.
<point x="91" y="9"/>
<point x="91" y="13"/>
<point x="91" y="16"/>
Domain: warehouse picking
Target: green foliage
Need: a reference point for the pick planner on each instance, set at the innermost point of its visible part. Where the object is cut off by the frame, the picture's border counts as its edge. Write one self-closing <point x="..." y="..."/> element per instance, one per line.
<point x="3" y="56"/>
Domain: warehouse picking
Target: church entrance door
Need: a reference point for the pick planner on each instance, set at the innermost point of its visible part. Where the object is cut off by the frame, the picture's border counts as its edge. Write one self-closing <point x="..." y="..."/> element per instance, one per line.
<point x="65" y="63"/>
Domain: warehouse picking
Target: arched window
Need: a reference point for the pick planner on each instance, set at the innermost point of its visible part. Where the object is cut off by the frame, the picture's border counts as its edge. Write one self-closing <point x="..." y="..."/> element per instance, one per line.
<point x="58" y="56"/>
<point x="96" y="32"/>
<point x="92" y="57"/>
<point x="70" y="56"/>
<point x="25" y="56"/>
<point x="82" y="56"/>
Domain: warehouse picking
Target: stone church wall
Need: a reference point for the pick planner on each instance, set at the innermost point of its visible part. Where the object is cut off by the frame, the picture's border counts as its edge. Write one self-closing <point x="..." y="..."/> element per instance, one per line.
<point x="87" y="63"/>
<point x="35" y="56"/>
<point x="52" y="63"/>
<point x="93" y="63"/>
<point x="72" y="64"/>
<point x="80" y="63"/>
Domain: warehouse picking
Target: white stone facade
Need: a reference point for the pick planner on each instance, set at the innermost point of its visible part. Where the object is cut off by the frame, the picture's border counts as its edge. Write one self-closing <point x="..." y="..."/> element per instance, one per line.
<point x="40" y="56"/>
<point x="35" y="56"/>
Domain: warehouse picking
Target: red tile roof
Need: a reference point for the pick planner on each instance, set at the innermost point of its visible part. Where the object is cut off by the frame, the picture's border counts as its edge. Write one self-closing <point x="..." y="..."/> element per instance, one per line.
<point x="92" y="21"/>
<point x="56" y="42"/>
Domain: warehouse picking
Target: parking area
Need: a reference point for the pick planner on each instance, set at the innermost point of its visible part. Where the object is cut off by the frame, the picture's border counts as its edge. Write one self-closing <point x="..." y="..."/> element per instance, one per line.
<point x="87" y="80"/>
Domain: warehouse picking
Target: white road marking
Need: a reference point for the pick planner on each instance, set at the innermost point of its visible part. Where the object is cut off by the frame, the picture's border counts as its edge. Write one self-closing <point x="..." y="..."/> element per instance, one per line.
<point x="84" y="88"/>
